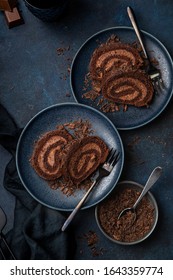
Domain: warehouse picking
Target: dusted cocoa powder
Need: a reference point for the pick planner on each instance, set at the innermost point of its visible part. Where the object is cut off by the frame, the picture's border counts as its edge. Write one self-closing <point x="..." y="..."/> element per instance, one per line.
<point x="92" y="239"/>
<point x="126" y="229"/>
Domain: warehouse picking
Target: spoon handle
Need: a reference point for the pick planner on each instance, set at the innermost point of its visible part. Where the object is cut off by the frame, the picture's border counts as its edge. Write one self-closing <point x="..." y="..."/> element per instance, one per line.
<point x="137" y="31"/>
<point x="150" y="182"/>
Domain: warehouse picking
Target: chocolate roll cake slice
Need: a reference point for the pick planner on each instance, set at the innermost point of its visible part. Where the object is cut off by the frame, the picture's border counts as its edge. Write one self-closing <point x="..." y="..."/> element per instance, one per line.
<point x="48" y="154"/>
<point x="112" y="55"/>
<point x="131" y="88"/>
<point x="83" y="158"/>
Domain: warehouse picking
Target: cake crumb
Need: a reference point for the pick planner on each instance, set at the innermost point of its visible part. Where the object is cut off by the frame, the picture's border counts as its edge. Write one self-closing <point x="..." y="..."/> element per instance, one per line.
<point x="92" y="242"/>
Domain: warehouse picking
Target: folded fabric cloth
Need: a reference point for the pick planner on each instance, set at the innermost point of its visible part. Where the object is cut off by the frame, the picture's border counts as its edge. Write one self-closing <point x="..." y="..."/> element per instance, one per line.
<point x="36" y="233"/>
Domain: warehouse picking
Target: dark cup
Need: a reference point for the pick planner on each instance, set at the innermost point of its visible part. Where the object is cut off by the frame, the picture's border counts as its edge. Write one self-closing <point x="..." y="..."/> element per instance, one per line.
<point x="46" y="10"/>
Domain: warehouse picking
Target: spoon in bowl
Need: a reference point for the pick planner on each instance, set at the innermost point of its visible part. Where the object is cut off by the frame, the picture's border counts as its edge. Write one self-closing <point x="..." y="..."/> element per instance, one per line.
<point x="150" y="182"/>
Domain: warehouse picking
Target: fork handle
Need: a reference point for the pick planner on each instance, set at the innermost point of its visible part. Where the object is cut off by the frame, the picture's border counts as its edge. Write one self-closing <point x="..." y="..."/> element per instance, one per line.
<point x="137" y="31"/>
<point x="79" y="205"/>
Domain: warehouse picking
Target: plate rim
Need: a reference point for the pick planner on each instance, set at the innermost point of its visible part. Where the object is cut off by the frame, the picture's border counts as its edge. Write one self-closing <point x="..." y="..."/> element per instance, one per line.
<point x="123" y="27"/>
<point x="61" y="105"/>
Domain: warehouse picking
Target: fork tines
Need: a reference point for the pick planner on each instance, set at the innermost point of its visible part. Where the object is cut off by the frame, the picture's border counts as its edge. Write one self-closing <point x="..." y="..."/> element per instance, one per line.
<point x="113" y="157"/>
<point x="158" y="83"/>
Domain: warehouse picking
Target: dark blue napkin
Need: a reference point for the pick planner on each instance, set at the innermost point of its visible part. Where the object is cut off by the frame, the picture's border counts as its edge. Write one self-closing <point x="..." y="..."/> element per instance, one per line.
<point x="36" y="233"/>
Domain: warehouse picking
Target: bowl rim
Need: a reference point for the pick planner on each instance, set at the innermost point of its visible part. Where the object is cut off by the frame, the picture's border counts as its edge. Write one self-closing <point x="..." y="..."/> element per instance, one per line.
<point x="51" y="7"/>
<point x="152" y="199"/>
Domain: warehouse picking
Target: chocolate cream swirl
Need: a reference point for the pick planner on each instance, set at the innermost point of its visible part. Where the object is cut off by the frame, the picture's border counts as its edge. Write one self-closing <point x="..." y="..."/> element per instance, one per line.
<point x="84" y="157"/>
<point x="47" y="157"/>
<point x="132" y="88"/>
<point x="108" y="56"/>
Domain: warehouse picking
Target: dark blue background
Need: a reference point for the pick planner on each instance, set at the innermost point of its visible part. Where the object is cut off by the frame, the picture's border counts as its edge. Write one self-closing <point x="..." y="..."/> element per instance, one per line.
<point x="33" y="76"/>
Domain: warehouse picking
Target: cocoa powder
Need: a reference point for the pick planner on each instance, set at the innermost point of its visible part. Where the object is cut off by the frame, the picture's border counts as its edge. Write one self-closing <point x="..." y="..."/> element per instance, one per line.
<point x="92" y="239"/>
<point x="126" y="229"/>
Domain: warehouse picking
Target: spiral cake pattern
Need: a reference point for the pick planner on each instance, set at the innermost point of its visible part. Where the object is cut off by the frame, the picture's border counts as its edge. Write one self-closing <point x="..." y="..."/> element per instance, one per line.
<point x="132" y="88"/>
<point x="48" y="154"/>
<point x="84" y="157"/>
<point x="113" y="55"/>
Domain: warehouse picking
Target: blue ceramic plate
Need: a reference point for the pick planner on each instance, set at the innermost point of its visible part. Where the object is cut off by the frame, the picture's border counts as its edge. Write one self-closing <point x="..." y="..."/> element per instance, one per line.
<point x="47" y="120"/>
<point x="133" y="117"/>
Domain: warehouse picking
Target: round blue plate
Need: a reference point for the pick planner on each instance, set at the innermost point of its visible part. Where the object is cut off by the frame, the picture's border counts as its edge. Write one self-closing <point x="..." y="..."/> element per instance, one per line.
<point x="133" y="117"/>
<point x="47" y="120"/>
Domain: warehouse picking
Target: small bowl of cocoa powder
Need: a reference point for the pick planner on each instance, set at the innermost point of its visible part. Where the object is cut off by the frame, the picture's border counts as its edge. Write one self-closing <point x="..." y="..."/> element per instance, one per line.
<point x="125" y="230"/>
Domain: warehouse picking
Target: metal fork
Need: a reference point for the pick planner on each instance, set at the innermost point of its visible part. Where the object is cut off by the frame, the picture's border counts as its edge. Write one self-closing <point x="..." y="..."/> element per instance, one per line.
<point x="152" y="71"/>
<point x="103" y="171"/>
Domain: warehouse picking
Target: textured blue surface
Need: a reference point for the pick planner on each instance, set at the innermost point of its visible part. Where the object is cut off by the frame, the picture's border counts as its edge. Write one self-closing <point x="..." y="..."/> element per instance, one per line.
<point x="33" y="76"/>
